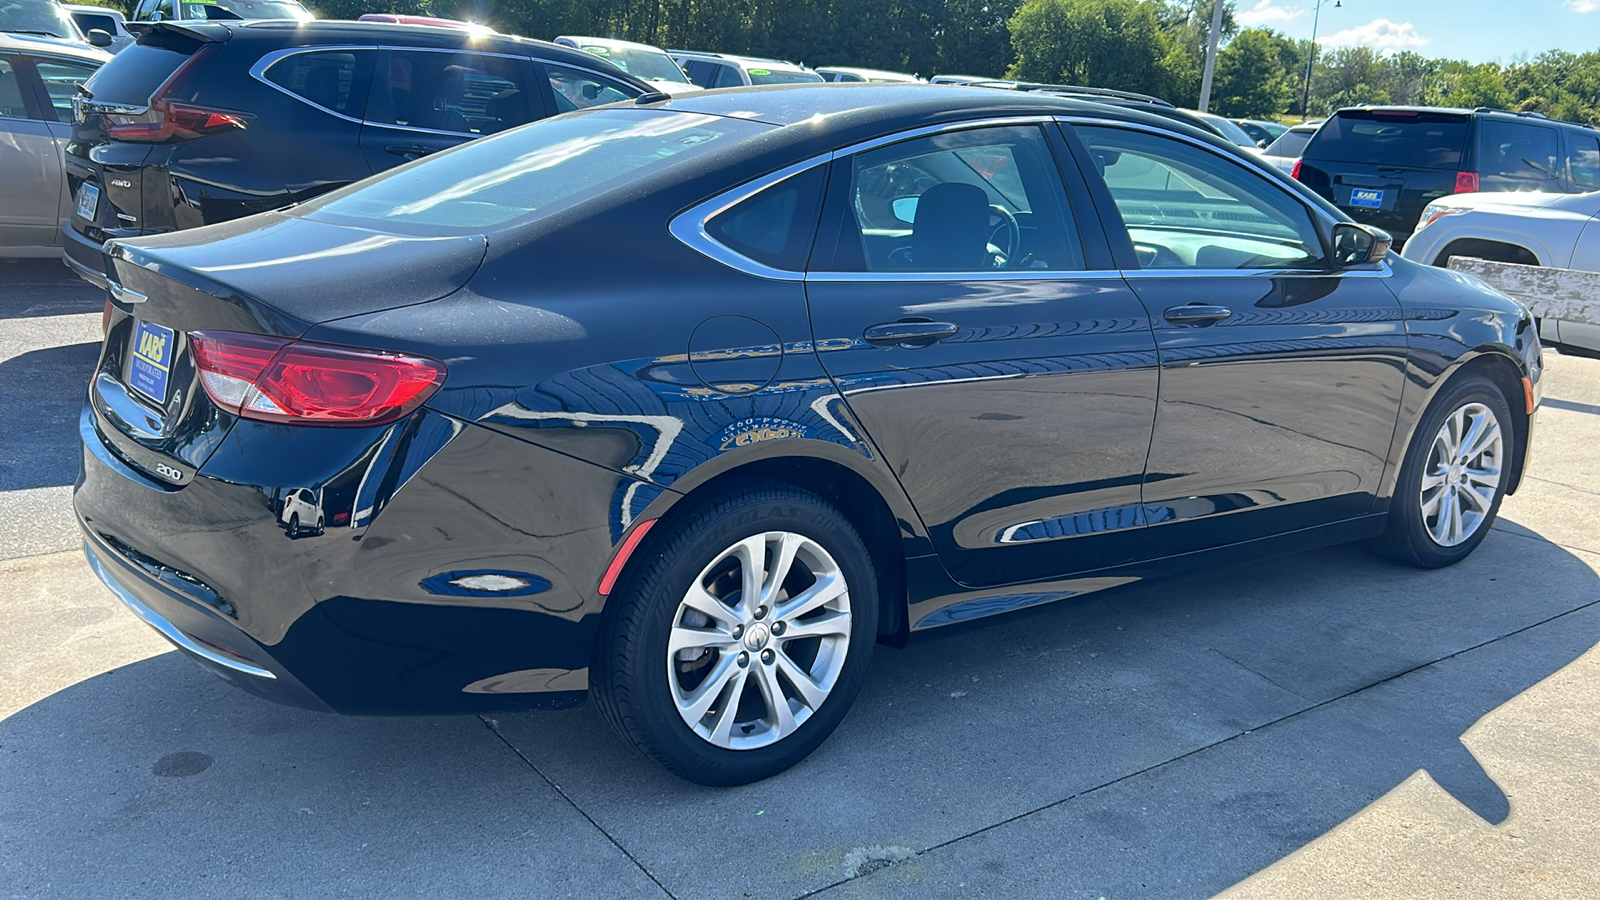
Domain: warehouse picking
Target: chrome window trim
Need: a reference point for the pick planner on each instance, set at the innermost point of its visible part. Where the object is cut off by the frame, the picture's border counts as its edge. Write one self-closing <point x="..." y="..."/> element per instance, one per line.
<point x="689" y="226"/>
<point x="1380" y="270"/>
<point x="259" y="73"/>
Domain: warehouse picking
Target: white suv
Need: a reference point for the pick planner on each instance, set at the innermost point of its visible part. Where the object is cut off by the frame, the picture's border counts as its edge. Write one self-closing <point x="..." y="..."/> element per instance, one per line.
<point x="1556" y="230"/>
<point x="717" y="70"/>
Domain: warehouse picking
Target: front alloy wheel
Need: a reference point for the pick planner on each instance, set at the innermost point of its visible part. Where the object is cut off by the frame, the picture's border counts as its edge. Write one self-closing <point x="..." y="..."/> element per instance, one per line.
<point x="1461" y="479"/>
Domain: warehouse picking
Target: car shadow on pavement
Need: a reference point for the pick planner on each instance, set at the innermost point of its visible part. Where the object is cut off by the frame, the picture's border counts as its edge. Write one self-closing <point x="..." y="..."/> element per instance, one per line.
<point x="41" y="394"/>
<point x="44" y="287"/>
<point x="1165" y="740"/>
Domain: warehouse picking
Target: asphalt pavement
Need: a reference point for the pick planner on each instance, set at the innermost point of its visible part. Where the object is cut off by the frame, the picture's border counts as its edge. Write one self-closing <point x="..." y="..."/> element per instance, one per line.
<point x="1322" y="725"/>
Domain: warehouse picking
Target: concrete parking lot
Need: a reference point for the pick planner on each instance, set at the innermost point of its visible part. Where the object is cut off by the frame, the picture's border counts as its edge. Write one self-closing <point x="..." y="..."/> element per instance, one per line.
<point x="1327" y="724"/>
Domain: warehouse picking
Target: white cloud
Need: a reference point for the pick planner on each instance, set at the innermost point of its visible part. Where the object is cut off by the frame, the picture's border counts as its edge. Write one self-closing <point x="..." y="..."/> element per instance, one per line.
<point x="1267" y="14"/>
<point x="1384" y="36"/>
<point x="1583" y="6"/>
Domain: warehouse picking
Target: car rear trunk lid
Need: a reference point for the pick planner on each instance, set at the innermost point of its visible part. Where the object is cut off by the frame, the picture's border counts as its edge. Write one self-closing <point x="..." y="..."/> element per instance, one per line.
<point x="277" y="277"/>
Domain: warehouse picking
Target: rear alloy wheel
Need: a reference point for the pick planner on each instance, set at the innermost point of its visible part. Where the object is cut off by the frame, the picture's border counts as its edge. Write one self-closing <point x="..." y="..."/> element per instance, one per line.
<point x="739" y="647"/>
<point x="1454" y="477"/>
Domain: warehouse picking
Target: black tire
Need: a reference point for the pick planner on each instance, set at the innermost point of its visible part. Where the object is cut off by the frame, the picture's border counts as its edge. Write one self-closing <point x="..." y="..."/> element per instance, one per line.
<point x="1406" y="538"/>
<point x="630" y="679"/>
<point x="294" y="525"/>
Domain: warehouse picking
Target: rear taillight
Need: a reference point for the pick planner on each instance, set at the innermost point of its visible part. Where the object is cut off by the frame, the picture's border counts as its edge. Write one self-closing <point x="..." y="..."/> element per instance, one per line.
<point x="1295" y="172"/>
<point x="278" y="380"/>
<point x="167" y="119"/>
<point x="1466" y="182"/>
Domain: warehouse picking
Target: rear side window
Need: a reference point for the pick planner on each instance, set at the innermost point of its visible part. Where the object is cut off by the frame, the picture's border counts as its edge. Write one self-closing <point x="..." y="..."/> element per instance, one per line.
<point x="134" y="74"/>
<point x="1583" y="160"/>
<point x="727" y="76"/>
<point x="11" y="105"/>
<point x="549" y="165"/>
<point x="1412" y="140"/>
<point x="774" y="227"/>
<point x="1290" y="143"/>
<point x="1513" y="156"/>
<point x="335" y="80"/>
<point x="459" y="93"/>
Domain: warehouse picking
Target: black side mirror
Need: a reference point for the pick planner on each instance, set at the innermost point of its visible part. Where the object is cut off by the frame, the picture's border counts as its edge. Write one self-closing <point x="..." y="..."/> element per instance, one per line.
<point x="590" y="90"/>
<point x="99" y="37"/>
<point x="1355" y="245"/>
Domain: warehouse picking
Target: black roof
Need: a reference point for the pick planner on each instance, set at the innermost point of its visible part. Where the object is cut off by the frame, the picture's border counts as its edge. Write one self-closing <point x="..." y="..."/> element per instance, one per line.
<point x="291" y="33"/>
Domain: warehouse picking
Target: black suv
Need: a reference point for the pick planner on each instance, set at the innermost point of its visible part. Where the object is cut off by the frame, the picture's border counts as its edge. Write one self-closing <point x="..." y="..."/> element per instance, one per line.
<point x="1383" y="164"/>
<point x="201" y="123"/>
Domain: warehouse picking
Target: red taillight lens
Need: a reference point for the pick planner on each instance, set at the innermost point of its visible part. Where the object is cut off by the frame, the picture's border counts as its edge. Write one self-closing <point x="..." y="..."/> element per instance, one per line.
<point x="1295" y="172"/>
<point x="277" y="380"/>
<point x="169" y="120"/>
<point x="1466" y="182"/>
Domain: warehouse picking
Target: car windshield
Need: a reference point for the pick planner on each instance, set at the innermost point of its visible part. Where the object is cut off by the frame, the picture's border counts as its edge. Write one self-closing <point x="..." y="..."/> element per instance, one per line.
<point x="1404" y="138"/>
<point x="539" y="168"/>
<point x="43" y="17"/>
<point x="640" y="62"/>
<point x="783" y="76"/>
<point x="247" y="9"/>
<point x="1290" y="143"/>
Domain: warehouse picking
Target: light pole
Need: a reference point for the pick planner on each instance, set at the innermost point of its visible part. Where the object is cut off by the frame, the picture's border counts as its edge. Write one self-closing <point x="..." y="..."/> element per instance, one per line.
<point x="1311" y="58"/>
<point x="1211" y="55"/>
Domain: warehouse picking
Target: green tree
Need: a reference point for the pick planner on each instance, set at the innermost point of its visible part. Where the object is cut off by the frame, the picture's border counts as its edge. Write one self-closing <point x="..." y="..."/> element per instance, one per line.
<point x="1096" y="43"/>
<point x="1250" y="79"/>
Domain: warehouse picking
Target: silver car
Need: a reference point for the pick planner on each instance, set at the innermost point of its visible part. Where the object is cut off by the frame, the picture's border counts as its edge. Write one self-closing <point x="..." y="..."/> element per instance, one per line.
<point x="34" y="134"/>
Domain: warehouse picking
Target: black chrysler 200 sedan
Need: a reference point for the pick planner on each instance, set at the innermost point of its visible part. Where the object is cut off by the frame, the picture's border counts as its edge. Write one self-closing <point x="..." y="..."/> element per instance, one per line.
<point x="688" y="403"/>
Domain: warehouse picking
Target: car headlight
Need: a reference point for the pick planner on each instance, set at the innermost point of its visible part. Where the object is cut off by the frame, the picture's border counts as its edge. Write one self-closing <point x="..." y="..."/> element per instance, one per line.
<point x="1436" y="211"/>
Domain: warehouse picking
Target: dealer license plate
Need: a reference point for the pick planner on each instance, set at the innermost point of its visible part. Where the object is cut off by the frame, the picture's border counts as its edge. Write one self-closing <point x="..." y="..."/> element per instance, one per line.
<point x="1366" y="198"/>
<point x="151" y="361"/>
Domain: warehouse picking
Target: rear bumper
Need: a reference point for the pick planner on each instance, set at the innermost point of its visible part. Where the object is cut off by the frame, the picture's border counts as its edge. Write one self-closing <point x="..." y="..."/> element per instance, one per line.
<point x="83" y="256"/>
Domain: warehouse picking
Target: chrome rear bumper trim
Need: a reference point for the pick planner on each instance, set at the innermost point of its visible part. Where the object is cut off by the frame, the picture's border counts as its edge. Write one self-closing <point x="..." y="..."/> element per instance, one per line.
<point x="168" y="631"/>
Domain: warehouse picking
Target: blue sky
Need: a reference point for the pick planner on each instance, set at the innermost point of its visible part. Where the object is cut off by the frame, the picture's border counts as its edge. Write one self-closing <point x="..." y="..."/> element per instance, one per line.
<point x="1476" y="30"/>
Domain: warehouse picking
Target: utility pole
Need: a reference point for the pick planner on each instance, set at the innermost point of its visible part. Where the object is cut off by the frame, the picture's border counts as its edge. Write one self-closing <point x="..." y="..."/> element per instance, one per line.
<point x="1211" y="55"/>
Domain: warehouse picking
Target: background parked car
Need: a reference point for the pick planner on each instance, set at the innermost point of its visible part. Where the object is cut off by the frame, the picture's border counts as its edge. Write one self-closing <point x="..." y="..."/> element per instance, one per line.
<point x="39" y="18"/>
<point x="213" y="10"/>
<point x="204" y="122"/>
<point x="1555" y="230"/>
<point x="1260" y="130"/>
<point x="91" y="19"/>
<point x="717" y="70"/>
<point x="37" y="81"/>
<point x="642" y="61"/>
<point x="850" y="74"/>
<point x="1285" y="151"/>
<point x="958" y="79"/>
<point x="1225" y="127"/>
<point x="1383" y="164"/>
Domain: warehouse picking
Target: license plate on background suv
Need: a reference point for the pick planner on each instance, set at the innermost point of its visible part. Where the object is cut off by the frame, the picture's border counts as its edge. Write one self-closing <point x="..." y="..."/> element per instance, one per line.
<point x="150" y="361"/>
<point x="1366" y="198"/>
<point x="88" y="200"/>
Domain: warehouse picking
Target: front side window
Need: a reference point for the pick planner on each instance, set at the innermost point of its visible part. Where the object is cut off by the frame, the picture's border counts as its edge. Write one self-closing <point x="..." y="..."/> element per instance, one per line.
<point x="332" y="79"/>
<point x="61" y="80"/>
<point x="576" y="89"/>
<point x="1513" y="156"/>
<point x="459" y="93"/>
<point x="979" y="200"/>
<point x="1583" y="161"/>
<point x="1189" y="208"/>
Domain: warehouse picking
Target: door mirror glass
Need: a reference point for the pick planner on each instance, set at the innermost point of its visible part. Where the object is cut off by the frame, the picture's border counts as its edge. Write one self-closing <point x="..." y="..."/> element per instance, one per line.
<point x="1355" y="245"/>
<point x="99" y="37"/>
<point x="905" y="209"/>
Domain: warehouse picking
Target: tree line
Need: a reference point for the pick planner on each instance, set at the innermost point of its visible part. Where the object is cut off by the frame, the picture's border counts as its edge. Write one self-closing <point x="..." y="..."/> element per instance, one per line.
<point x="1150" y="46"/>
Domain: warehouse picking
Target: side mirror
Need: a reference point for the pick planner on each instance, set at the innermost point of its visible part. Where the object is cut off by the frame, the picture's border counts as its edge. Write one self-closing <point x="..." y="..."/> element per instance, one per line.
<point x="1355" y="245"/>
<point x="99" y="37"/>
<point x="158" y="16"/>
<point x="590" y="90"/>
<point x="905" y="209"/>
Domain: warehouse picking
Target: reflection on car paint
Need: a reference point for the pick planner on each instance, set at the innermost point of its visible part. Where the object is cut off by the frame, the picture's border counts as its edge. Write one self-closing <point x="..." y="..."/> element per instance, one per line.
<point x="485" y="583"/>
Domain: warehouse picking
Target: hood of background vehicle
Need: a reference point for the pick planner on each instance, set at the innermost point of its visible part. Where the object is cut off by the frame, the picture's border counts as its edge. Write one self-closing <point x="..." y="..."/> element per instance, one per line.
<point x="1507" y="200"/>
<point x="298" y="272"/>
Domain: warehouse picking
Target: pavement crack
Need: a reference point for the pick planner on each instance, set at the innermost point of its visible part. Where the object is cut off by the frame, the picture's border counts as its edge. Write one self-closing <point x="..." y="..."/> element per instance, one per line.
<point x="1288" y="690"/>
<point x="1562" y="484"/>
<point x="1214" y="744"/>
<point x="494" y="728"/>
<point x="1541" y="539"/>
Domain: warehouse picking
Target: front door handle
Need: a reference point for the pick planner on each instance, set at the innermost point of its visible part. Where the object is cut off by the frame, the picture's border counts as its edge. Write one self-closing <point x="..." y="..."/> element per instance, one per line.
<point x="409" y="151"/>
<point x="1201" y="314"/>
<point x="908" y="333"/>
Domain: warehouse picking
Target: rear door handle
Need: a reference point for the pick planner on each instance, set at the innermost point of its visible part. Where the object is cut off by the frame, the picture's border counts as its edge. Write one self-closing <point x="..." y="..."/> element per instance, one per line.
<point x="908" y="333"/>
<point x="1201" y="314"/>
<point x="409" y="151"/>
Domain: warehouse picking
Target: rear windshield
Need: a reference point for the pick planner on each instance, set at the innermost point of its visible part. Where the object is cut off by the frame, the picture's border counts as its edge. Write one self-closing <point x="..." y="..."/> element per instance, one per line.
<point x="782" y="76"/>
<point x="548" y="165"/>
<point x="134" y="74"/>
<point x="1413" y="140"/>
